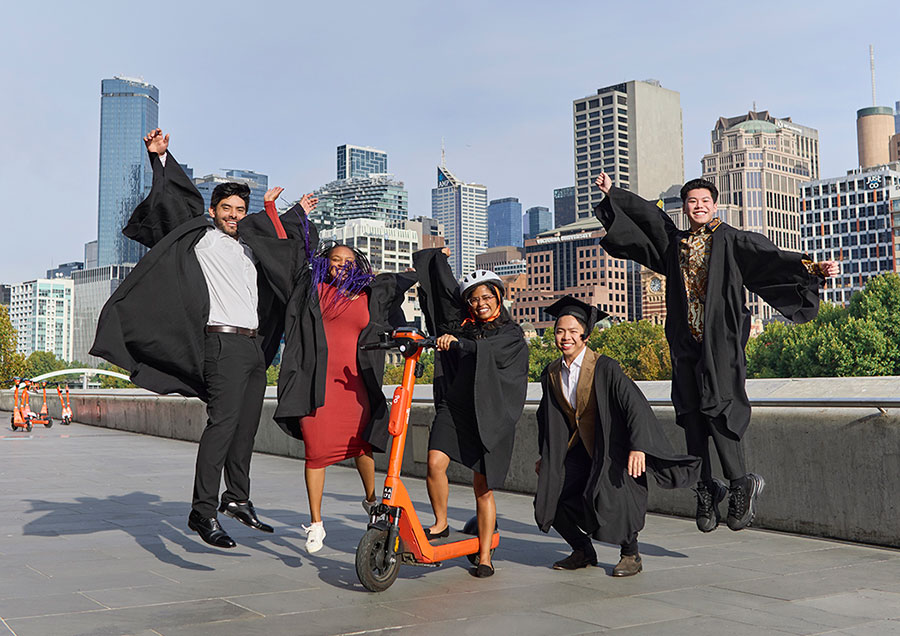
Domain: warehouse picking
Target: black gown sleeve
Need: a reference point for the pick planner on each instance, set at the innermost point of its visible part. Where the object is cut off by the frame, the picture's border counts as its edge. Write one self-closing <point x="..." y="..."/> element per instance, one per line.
<point x="636" y="229"/>
<point x="645" y="434"/>
<point x="173" y="199"/>
<point x="438" y="291"/>
<point x="778" y="276"/>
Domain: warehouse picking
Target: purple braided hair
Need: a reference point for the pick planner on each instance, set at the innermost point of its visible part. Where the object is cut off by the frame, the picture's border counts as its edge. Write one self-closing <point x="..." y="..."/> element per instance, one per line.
<point x="347" y="282"/>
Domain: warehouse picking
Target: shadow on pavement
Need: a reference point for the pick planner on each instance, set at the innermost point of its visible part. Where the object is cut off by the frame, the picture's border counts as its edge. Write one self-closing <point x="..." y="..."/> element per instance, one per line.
<point x="152" y="523"/>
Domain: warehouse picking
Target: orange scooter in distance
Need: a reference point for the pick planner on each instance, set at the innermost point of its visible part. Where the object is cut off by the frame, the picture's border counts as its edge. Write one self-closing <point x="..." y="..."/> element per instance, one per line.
<point x="395" y="535"/>
<point x="20" y="417"/>
<point x="65" y="408"/>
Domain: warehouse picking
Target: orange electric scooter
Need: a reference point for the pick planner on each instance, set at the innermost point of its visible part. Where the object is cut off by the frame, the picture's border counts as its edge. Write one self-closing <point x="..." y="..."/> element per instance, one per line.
<point x="65" y="408"/>
<point x="395" y="535"/>
<point x="43" y="416"/>
<point x="20" y="416"/>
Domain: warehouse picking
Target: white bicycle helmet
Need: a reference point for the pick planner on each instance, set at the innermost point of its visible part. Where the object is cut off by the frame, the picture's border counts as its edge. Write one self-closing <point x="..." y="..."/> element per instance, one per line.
<point x="479" y="277"/>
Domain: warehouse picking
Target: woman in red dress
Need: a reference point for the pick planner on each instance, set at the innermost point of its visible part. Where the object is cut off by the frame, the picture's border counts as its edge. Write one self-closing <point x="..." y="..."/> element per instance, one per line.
<point x="354" y="306"/>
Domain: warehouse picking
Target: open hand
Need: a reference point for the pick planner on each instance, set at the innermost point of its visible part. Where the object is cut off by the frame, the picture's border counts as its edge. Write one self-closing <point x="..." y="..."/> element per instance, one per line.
<point x="272" y="194"/>
<point x="637" y="463"/>
<point x="830" y="268"/>
<point x="603" y="182"/>
<point x="157" y="142"/>
<point x="308" y="202"/>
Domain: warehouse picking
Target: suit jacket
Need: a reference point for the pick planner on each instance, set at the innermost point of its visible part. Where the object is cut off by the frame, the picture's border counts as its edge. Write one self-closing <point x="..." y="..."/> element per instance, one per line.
<point x="582" y="415"/>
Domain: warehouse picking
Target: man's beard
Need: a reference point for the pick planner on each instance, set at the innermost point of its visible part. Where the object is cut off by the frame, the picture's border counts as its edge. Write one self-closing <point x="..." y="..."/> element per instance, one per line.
<point x="220" y="223"/>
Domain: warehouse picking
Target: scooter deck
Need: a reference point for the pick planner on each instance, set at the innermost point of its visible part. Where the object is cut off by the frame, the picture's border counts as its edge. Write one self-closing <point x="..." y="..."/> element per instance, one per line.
<point x="453" y="537"/>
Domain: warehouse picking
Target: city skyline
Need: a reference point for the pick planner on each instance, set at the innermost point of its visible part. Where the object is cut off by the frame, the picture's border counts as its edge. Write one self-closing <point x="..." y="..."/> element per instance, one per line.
<point x="498" y="129"/>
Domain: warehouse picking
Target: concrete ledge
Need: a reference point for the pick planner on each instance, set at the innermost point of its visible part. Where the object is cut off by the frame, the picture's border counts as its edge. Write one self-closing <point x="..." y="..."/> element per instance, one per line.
<point x="830" y="472"/>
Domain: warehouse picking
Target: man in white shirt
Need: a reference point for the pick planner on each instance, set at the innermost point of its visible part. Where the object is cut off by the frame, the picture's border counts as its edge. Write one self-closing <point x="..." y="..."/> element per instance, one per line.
<point x="202" y="315"/>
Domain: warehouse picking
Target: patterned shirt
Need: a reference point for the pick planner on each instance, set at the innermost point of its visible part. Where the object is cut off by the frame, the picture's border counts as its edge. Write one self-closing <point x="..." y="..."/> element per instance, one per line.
<point x="693" y="257"/>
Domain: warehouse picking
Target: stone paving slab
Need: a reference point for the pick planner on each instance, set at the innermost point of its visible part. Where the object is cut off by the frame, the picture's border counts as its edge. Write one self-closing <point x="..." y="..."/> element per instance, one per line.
<point x="93" y="540"/>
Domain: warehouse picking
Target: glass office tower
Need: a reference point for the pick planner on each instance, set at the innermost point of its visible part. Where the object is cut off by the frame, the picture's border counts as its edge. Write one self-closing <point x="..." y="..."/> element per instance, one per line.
<point x="129" y="108"/>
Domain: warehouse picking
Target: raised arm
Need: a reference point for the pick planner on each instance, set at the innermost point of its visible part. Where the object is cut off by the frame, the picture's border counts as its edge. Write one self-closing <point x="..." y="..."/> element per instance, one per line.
<point x="636" y="229"/>
<point x="173" y="198"/>
<point x="438" y="291"/>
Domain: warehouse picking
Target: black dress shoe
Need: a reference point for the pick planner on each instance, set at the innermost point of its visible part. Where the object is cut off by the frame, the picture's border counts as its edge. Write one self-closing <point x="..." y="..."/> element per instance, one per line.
<point x="243" y="511"/>
<point x="209" y="530"/>
<point x="437" y="535"/>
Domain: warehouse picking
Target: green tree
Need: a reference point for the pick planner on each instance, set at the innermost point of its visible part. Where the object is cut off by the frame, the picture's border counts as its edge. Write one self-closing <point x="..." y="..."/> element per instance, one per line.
<point x="41" y="362"/>
<point x="639" y="347"/>
<point x="861" y="340"/>
<point x="541" y="352"/>
<point x="393" y="373"/>
<point x="109" y="382"/>
<point x="272" y="375"/>
<point x="12" y="364"/>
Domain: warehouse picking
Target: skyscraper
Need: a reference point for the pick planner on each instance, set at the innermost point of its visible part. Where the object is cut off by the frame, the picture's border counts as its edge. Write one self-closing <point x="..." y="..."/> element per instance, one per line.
<point x="462" y="208"/>
<point x="41" y="313"/>
<point x="758" y="163"/>
<point x="852" y="219"/>
<point x="563" y="206"/>
<point x="258" y="184"/>
<point x="504" y="222"/>
<point x="380" y="198"/>
<point x="92" y="287"/>
<point x="128" y="110"/>
<point x="537" y="219"/>
<point x="631" y="131"/>
<point x="360" y="161"/>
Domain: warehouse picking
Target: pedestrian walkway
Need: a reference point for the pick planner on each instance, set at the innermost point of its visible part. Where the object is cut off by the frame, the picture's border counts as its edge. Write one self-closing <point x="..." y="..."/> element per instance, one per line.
<point x="93" y="540"/>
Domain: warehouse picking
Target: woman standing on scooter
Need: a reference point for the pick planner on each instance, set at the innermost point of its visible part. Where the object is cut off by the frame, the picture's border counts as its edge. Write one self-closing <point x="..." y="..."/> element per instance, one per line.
<point x="480" y="381"/>
<point x="350" y="306"/>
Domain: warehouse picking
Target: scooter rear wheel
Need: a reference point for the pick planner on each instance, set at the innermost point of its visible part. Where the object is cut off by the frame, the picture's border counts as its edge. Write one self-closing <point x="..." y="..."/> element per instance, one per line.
<point x="374" y="570"/>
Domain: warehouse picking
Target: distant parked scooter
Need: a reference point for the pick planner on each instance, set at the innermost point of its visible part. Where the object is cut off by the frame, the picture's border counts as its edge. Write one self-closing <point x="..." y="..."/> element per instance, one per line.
<point x="43" y="416"/>
<point x="395" y="535"/>
<point x="64" y="406"/>
<point x="20" y="416"/>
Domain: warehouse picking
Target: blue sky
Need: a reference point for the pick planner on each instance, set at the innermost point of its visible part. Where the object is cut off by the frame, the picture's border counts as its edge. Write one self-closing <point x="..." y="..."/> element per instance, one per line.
<point x="275" y="87"/>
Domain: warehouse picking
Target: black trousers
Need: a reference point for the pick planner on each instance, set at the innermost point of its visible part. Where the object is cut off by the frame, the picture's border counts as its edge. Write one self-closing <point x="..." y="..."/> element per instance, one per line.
<point x="570" y="507"/>
<point x="698" y="428"/>
<point x="235" y="376"/>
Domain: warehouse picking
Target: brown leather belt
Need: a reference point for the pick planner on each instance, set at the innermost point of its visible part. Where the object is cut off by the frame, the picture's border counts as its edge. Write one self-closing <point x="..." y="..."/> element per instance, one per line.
<point x="251" y="333"/>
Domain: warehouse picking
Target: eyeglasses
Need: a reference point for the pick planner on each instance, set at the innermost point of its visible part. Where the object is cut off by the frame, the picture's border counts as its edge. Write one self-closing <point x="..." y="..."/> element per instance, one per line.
<point x="474" y="300"/>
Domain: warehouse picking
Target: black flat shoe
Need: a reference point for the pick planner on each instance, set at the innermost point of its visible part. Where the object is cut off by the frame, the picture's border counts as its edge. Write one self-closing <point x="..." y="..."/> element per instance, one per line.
<point x="209" y="530"/>
<point x="243" y="511"/>
<point x="437" y="535"/>
<point x="481" y="571"/>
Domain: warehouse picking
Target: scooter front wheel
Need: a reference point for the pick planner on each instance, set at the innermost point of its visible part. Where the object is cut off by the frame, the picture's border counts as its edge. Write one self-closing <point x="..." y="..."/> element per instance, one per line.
<point x="374" y="566"/>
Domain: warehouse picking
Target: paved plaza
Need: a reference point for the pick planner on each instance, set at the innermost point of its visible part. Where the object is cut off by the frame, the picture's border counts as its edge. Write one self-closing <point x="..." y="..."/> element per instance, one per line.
<point x="93" y="540"/>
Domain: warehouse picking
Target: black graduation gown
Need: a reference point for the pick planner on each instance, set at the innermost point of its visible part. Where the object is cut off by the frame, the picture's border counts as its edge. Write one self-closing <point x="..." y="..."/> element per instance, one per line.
<point x="501" y="364"/>
<point x="153" y="324"/>
<point x="614" y="503"/>
<point x="301" y="380"/>
<point x="710" y="376"/>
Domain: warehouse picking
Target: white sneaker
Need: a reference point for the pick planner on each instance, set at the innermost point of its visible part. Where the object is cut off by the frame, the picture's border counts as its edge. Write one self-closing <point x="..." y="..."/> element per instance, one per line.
<point x="315" y="535"/>
<point x="368" y="505"/>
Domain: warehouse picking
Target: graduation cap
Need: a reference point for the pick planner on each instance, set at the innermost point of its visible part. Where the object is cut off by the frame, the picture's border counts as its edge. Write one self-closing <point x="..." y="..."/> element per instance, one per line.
<point x="569" y="306"/>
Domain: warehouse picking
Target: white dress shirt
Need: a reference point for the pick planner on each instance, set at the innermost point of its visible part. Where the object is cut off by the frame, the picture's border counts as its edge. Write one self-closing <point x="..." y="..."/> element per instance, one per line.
<point x="568" y="376"/>
<point x="229" y="268"/>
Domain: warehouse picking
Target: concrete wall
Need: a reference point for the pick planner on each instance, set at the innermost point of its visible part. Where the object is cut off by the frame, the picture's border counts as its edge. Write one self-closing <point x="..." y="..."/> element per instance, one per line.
<point x="829" y="472"/>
